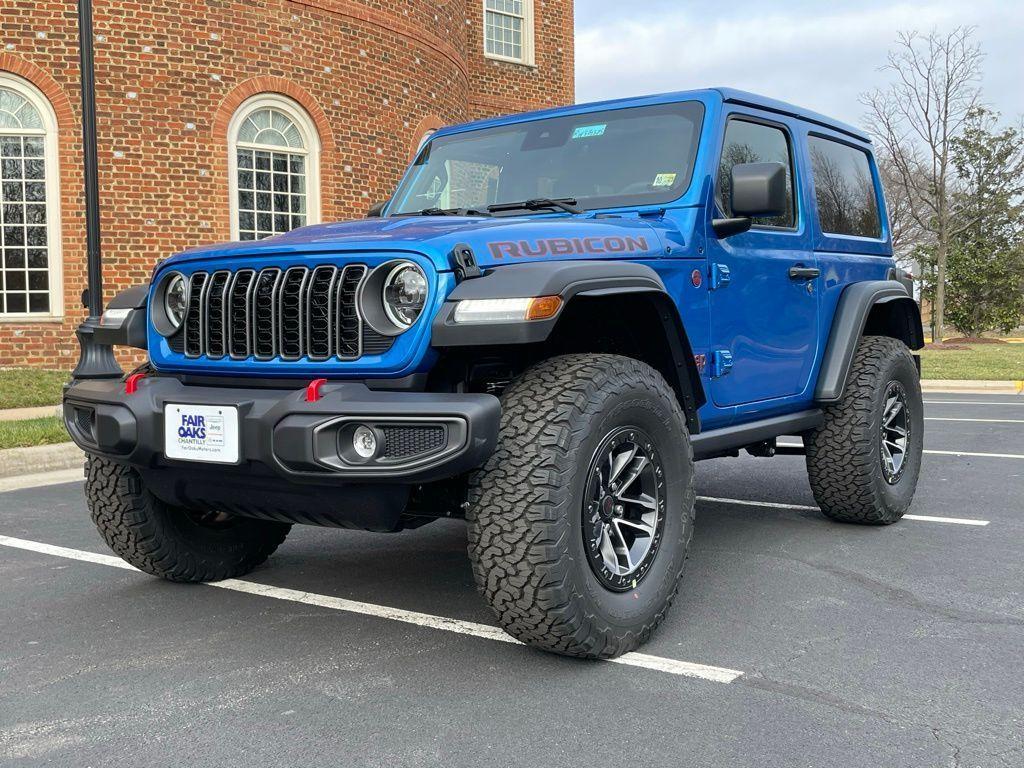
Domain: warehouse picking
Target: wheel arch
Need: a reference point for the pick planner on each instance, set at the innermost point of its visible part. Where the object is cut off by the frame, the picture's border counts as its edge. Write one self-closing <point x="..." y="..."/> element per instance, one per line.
<point x="875" y="308"/>
<point x="595" y="295"/>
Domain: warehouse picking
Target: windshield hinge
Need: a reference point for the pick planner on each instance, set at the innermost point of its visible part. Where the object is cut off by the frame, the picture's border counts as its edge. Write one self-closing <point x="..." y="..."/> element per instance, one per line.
<point x="463" y="261"/>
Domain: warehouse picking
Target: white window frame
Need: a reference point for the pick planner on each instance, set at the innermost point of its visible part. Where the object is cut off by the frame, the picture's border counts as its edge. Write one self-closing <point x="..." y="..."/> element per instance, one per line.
<point x="528" y="34"/>
<point x="310" y="138"/>
<point x="51" y="159"/>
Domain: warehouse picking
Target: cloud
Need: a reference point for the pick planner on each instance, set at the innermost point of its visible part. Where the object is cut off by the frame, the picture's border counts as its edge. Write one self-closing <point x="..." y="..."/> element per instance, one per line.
<point x="818" y="56"/>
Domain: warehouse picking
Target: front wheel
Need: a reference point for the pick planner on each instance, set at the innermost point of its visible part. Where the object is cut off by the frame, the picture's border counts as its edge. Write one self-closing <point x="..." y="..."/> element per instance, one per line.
<point x="579" y="523"/>
<point x="864" y="460"/>
<point x="169" y="542"/>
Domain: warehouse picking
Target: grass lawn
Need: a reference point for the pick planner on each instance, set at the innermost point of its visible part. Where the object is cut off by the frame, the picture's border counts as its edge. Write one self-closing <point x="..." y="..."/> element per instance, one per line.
<point x="27" y="387"/>
<point x="21" y="434"/>
<point x="991" y="362"/>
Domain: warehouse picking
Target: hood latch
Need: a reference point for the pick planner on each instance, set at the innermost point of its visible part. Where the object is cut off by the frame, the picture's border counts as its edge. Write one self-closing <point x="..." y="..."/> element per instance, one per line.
<point x="463" y="261"/>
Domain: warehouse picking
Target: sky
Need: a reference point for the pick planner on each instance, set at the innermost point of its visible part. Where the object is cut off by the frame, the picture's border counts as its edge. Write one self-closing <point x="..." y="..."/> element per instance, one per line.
<point x="819" y="55"/>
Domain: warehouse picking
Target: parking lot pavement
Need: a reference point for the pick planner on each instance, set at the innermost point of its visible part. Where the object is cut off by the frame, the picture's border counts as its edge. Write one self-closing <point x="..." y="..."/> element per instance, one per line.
<point x="857" y="646"/>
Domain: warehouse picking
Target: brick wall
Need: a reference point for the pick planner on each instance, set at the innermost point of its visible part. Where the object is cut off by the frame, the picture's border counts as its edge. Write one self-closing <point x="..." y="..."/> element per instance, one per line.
<point x="372" y="75"/>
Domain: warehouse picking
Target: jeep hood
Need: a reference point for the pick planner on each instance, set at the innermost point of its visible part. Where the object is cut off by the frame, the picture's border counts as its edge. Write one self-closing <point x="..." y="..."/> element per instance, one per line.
<point x="495" y="241"/>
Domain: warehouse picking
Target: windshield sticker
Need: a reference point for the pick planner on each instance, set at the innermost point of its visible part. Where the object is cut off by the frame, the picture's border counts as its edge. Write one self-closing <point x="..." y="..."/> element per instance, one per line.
<point x="588" y="131"/>
<point x="564" y="246"/>
<point x="665" y="179"/>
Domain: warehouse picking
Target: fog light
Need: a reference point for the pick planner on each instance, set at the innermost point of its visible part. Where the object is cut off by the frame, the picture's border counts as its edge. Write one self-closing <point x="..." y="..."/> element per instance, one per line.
<point x="364" y="442"/>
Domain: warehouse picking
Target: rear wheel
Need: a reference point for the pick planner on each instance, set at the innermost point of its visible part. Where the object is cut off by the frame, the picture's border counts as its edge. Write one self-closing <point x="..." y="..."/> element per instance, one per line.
<point x="170" y="542"/>
<point x="864" y="460"/>
<point x="579" y="523"/>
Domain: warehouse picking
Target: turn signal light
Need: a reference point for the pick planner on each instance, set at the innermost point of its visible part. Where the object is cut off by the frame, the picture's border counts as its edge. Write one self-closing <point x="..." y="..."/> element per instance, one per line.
<point x="543" y="307"/>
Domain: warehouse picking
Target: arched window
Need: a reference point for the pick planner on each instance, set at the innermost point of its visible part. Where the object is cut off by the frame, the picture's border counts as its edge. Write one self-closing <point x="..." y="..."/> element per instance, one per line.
<point x="30" y="271"/>
<point x="274" y="164"/>
<point x="425" y="138"/>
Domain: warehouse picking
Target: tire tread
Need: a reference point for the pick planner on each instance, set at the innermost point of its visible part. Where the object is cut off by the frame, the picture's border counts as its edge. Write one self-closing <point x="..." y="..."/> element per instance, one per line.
<point x="842" y="463"/>
<point x="142" y="530"/>
<point x="519" y="503"/>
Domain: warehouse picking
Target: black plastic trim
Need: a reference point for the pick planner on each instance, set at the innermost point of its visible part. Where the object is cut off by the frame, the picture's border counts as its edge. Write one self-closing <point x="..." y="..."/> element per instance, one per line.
<point x="569" y="280"/>
<point x="564" y="278"/>
<point x="848" y="324"/>
<point x="715" y="442"/>
<point x="131" y="332"/>
<point x="278" y="426"/>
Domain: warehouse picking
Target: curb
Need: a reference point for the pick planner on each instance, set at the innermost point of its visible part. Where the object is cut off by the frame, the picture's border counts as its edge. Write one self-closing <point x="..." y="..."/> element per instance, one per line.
<point x="968" y="386"/>
<point x="40" y="458"/>
<point x="20" y="414"/>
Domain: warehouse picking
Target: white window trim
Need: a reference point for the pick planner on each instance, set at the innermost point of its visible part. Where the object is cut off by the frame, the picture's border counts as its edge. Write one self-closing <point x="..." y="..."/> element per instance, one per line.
<point x="528" y="36"/>
<point x="54" y="256"/>
<point x="310" y="138"/>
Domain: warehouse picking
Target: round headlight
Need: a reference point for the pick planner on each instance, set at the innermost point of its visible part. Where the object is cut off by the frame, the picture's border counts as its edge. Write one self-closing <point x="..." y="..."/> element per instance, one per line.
<point x="405" y="294"/>
<point x="174" y="300"/>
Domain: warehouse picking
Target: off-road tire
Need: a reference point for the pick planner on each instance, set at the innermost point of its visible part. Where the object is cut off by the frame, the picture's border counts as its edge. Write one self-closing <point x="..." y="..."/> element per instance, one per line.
<point x="166" y="541"/>
<point x="525" y="505"/>
<point x="844" y="461"/>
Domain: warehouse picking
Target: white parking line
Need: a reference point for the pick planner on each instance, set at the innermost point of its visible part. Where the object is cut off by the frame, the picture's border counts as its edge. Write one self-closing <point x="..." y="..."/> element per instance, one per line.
<point x="485" y="631"/>
<point x="982" y="421"/>
<point x="973" y="402"/>
<point x="977" y="453"/>
<point x="941" y="453"/>
<point x="809" y="508"/>
<point x="955" y="520"/>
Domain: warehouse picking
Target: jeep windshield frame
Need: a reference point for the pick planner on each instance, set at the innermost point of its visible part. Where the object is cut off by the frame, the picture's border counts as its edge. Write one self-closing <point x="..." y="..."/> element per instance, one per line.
<point x="630" y="157"/>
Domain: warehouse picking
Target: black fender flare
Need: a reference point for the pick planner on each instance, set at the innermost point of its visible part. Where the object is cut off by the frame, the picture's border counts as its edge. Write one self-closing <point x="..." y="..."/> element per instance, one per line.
<point x="850" y="322"/>
<point x="125" y="329"/>
<point x="568" y="280"/>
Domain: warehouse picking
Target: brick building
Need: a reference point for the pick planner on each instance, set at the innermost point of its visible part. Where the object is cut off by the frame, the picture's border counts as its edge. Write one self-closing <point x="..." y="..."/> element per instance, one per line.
<point x="195" y="98"/>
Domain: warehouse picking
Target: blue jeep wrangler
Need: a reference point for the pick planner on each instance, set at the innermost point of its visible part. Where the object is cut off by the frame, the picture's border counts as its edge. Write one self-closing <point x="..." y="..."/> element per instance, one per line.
<point x="552" y="318"/>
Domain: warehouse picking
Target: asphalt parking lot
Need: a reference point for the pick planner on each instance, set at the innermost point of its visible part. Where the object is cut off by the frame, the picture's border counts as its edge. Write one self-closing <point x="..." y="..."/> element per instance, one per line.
<point x="795" y="641"/>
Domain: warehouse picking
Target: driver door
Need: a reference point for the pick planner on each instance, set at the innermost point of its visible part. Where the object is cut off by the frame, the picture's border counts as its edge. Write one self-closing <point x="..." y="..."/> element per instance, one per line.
<point x="762" y="317"/>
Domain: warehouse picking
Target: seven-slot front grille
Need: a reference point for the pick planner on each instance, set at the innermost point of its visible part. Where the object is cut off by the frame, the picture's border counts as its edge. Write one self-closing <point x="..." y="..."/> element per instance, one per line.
<point x="288" y="313"/>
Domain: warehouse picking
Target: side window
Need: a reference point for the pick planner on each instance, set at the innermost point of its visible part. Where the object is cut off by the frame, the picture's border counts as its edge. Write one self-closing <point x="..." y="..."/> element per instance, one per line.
<point x="844" y="189"/>
<point x="747" y="142"/>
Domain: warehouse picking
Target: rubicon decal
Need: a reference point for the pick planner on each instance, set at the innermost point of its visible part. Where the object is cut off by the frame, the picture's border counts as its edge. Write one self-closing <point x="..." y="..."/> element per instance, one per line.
<point x="567" y="246"/>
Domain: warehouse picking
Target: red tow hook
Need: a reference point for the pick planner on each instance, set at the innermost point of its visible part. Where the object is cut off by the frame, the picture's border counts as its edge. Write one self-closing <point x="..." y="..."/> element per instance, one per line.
<point x="131" y="384"/>
<point x="313" y="390"/>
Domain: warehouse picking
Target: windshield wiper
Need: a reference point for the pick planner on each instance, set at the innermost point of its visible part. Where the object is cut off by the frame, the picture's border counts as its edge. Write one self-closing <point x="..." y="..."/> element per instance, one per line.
<point x="567" y="204"/>
<point x="451" y="212"/>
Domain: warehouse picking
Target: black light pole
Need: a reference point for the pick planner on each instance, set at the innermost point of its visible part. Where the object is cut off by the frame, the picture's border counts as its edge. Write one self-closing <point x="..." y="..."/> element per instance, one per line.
<point x="96" y="360"/>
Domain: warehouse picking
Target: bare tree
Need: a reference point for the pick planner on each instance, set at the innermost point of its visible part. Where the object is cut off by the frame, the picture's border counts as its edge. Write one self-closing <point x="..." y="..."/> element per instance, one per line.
<point x="915" y="120"/>
<point x="906" y="233"/>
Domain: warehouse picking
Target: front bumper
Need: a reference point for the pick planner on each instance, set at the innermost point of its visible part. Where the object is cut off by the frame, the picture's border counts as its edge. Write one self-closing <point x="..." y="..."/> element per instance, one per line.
<point x="294" y="458"/>
<point x="298" y="440"/>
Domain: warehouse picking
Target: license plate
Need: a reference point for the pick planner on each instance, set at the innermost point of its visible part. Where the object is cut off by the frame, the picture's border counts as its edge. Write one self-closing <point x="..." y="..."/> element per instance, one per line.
<point x="207" y="433"/>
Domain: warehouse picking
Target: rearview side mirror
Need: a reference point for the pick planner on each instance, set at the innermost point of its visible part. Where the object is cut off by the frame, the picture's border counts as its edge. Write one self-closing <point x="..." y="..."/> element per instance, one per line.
<point x="757" y="189"/>
<point x="376" y="210"/>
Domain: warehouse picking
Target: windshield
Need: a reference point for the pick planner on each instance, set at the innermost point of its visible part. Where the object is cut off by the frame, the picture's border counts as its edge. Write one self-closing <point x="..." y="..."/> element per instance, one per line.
<point x="616" y="158"/>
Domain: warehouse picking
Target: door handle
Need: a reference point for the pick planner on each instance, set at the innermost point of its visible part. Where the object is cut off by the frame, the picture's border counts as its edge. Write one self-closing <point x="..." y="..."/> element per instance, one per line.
<point x="800" y="272"/>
